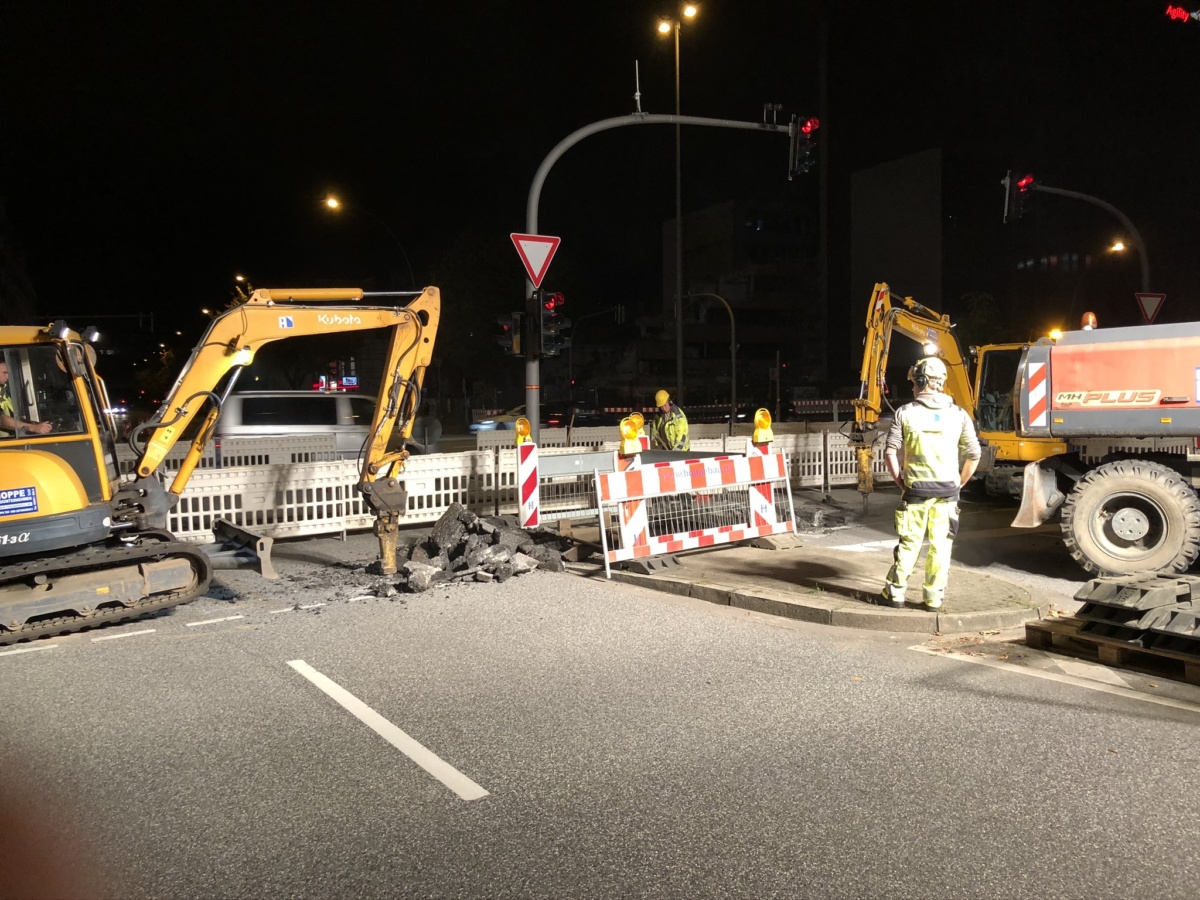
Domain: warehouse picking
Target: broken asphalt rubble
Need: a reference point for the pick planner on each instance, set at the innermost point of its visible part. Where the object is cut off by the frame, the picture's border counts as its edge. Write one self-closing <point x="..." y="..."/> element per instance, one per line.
<point x="465" y="547"/>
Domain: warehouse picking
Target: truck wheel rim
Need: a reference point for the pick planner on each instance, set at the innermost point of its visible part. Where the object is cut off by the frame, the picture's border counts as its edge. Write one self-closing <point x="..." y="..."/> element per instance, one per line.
<point x="1130" y="522"/>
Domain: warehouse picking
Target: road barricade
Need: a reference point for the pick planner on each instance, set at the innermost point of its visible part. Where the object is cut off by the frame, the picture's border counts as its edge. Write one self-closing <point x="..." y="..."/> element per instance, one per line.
<point x="674" y="506"/>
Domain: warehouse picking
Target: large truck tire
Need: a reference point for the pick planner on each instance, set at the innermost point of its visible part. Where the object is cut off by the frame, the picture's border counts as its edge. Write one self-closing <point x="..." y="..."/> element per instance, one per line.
<point x="1132" y="516"/>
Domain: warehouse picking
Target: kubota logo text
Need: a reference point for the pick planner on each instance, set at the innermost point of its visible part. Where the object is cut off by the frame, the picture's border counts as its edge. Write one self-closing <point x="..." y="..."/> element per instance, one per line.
<point x="1106" y="398"/>
<point x="335" y="319"/>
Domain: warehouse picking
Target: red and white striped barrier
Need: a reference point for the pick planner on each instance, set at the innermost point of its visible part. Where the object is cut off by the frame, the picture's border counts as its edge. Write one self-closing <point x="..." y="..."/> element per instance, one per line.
<point x="527" y="484"/>
<point x="633" y="490"/>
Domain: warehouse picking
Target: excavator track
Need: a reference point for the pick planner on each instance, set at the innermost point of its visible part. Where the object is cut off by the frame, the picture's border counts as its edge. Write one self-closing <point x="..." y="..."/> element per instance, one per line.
<point x="58" y="618"/>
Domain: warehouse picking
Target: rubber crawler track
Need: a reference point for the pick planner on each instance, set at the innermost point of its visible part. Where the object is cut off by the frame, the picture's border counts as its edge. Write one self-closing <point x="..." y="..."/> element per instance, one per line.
<point x="98" y="560"/>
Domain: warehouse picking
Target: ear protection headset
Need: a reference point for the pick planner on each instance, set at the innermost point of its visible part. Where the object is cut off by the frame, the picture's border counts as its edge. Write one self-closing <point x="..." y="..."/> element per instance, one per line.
<point x="928" y="369"/>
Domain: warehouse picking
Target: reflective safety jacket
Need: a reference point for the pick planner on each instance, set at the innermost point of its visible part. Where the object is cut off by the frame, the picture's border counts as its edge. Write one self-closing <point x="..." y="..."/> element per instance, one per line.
<point x="932" y="437"/>
<point x="670" y="431"/>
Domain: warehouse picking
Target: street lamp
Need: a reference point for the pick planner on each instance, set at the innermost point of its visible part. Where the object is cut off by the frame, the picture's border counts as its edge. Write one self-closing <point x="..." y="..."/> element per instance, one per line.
<point x="334" y="204"/>
<point x="671" y="26"/>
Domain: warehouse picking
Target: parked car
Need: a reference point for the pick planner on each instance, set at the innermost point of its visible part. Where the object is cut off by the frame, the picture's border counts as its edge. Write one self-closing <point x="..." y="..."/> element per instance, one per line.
<point x="264" y="413"/>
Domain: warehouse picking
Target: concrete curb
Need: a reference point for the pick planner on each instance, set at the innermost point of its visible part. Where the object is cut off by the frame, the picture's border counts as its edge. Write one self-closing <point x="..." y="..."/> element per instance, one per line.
<point x="836" y="593"/>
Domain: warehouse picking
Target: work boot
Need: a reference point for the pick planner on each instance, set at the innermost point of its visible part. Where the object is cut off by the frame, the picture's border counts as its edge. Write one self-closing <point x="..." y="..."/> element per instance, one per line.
<point x="932" y="605"/>
<point x="886" y="599"/>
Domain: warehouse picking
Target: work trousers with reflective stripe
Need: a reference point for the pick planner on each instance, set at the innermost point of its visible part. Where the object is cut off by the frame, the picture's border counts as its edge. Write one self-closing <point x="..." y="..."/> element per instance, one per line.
<point x="916" y="520"/>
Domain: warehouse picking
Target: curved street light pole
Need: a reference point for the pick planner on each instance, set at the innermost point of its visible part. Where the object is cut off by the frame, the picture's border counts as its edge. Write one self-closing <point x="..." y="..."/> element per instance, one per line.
<point x="532" y="374"/>
<point x="1121" y="217"/>
<point x="336" y="205"/>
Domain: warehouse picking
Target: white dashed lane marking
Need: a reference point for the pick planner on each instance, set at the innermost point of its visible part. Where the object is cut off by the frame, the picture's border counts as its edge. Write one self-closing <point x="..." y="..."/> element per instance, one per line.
<point x="117" y="637"/>
<point x="423" y="757"/>
<point x="214" y="621"/>
<point x="27" y="650"/>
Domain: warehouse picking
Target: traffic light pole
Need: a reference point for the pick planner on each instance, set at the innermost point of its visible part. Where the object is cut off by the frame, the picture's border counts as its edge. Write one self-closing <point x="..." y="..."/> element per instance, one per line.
<point x="1121" y="217"/>
<point x="533" y="387"/>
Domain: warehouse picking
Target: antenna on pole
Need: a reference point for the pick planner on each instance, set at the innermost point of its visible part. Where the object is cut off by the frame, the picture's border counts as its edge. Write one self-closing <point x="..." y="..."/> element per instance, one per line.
<point x="637" y="89"/>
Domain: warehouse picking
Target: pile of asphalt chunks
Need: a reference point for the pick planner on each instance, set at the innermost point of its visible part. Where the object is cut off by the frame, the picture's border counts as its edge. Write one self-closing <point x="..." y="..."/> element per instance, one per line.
<point x="465" y="547"/>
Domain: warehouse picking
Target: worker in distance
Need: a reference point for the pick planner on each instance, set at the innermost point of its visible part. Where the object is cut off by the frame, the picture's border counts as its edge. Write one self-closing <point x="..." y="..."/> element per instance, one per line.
<point x="670" y="431"/>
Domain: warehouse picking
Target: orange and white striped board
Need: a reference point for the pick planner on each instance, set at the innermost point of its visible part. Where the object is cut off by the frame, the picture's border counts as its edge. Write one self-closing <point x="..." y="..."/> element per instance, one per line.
<point x="630" y="490"/>
<point x="527" y="484"/>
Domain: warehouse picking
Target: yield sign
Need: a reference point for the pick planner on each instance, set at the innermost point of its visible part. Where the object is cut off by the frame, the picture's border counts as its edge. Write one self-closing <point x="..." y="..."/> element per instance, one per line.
<point x="1150" y="305"/>
<point x="536" y="251"/>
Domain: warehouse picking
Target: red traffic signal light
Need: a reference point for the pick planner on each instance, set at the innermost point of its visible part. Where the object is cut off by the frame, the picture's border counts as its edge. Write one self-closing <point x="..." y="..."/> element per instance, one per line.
<point x="810" y="125"/>
<point x="1024" y="184"/>
<point x="553" y="301"/>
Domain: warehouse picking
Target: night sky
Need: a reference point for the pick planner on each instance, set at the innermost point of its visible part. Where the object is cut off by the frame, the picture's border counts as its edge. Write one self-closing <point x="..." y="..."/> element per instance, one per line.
<point x="154" y="150"/>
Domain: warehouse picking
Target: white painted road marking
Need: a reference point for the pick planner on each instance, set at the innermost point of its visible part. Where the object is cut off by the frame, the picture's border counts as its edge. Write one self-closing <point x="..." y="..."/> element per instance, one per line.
<point x="1091" y="685"/>
<point x="114" y="637"/>
<point x="866" y="546"/>
<point x="211" y="621"/>
<point x="1092" y="671"/>
<point x="426" y="759"/>
<point x="294" y="608"/>
<point x="28" y="650"/>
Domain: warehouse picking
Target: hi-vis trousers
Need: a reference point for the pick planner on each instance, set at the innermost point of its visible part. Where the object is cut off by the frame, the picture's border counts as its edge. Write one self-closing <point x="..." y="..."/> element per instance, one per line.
<point x="916" y="520"/>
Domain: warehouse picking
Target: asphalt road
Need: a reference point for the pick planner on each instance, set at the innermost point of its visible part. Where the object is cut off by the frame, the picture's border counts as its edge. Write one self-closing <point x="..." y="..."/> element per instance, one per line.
<point x="554" y="736"/>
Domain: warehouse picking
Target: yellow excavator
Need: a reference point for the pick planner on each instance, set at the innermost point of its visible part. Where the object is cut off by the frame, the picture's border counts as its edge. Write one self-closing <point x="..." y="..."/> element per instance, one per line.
<point x="81" y="544"/>
<point x="988" y="397"/>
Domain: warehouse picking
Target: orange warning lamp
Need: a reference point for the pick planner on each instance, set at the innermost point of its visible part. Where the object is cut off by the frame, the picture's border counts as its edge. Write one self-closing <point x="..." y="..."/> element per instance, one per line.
<point x="638" y="420"/>
<point x="1088" y="322"/>
<point x="523" y="430"/>
<point x="1054" y="334"/>
<point x="762" y="427"/>
<point x="631" y="443"/>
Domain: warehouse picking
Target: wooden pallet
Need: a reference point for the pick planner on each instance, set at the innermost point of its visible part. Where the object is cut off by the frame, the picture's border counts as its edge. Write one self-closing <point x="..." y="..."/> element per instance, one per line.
<point x="1063" y="635"/>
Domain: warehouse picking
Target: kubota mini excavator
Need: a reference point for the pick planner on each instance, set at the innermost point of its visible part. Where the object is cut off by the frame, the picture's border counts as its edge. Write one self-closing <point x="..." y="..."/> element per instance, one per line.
<point x="81" y="544"/>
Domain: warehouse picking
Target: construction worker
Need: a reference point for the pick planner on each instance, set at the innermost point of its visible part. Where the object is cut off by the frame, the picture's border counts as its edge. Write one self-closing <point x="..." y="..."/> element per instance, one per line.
<point x="670" y="425"/>
<point x="931" y="452"/>
<point x="9" y="421"/>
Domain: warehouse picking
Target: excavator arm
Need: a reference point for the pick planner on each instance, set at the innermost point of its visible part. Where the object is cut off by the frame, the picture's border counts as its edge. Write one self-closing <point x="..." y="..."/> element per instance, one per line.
<point x="230" y="344"/>
<point x="234" y="337"/>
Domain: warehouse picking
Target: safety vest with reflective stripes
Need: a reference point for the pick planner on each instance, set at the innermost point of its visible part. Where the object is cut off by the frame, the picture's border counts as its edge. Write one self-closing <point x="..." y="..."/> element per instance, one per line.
<point x="934" y="436"/>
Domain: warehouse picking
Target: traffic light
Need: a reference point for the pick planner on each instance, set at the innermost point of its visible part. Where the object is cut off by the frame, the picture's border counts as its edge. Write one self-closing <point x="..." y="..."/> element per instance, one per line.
<point x="553" y="341"/>
<point x="1016" y="191"/>
<point x="512" y="340"/>
<point x="803" y="145"/>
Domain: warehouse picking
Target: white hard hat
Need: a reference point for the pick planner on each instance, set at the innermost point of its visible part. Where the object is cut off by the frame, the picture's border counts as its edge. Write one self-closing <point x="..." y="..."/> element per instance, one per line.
<point x="931" y="368"/>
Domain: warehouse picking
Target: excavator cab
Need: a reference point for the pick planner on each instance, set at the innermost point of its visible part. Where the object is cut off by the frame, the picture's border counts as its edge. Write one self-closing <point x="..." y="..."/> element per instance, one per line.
<point x="995" y="381"/>
<point x="52" y="413"/>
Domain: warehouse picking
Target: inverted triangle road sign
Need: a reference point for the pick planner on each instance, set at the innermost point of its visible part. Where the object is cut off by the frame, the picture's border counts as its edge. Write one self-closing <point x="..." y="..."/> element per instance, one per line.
<point x="1150" y="305"/>
<point x="536" y="251"/>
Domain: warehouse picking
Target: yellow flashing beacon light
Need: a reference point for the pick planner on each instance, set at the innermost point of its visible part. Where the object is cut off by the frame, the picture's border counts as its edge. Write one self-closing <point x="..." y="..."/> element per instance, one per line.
<point x="762" y="427"/>
<point x="523" y="430"/>
<point x="631" y="443"/>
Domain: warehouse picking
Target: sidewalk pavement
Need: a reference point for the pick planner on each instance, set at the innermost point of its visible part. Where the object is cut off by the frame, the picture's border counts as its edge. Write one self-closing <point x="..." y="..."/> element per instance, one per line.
<point x="803" y="577"/>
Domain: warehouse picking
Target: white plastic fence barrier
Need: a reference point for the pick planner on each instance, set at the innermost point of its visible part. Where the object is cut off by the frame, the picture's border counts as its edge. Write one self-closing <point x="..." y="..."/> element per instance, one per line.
<point x="670" y="507"/>
<point x="295" y="486"/>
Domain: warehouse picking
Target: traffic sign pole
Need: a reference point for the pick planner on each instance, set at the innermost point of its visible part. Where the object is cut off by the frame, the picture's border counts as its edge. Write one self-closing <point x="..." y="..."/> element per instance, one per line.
<point x="536" y="252"/>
